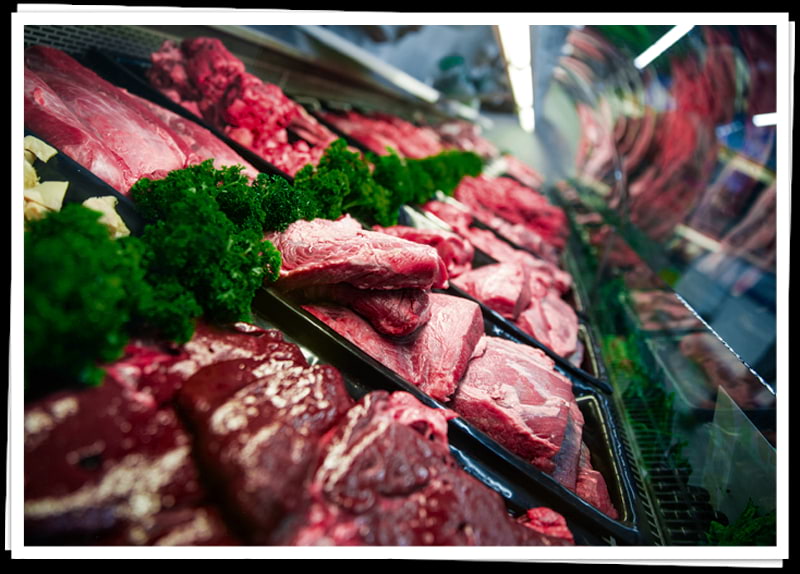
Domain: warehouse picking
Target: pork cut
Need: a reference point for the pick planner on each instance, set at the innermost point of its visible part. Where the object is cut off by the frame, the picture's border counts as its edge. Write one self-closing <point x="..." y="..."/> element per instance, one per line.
<point x="322" y="252"/>
<point x="386" y="477"/>
<point x="437" y="356"/>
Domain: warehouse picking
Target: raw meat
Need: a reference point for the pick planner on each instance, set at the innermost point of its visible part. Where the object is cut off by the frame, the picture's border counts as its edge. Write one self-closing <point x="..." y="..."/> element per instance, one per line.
<point x="380" y="131"/>
<point x="322" y="252"/>
<point x="513" y="394"/>
<point x="393" y="312"/>
<point x="437" y="356"/>
<point x="116" y="135"/>
<point x="591" y="486"/>
<point x="515" y="203"/>
<point x="153" y="372"/>
<point x="503" y="287"/>
<point x="50" y="118"/>
<point x="257" y="426"/>
<point x="111" y="114"/>
<point x="202" y="75"/>
<point x="386" y="477"/>
<point x="98" y="461"/>
<point x="456" y="252"/>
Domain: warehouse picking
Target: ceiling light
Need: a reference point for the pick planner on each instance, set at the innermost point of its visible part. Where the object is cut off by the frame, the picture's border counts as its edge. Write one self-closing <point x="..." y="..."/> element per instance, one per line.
<point x="661" y="45"/>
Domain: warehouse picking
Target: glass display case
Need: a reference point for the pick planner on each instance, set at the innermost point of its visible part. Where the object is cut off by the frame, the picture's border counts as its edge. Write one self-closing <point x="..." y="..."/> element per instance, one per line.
<point x="665" y="171"/>
<point x="672" y="198"/>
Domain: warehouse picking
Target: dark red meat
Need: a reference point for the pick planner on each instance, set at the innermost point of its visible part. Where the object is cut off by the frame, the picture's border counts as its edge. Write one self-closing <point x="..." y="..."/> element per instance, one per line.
<point x="386" y="477"/>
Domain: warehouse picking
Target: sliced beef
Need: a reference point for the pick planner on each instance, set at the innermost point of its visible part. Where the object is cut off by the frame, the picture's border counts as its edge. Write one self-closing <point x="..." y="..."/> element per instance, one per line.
<point x="98" y="461"/>
<point x="386" y="477"/>
<point x="322" y="252"/>
<point x="503" y="287"/>
<point x="456" y="252"/>
<point x="394" y="312"/>
<point x="435" y="359"/>
<point x="257" y="425"/>
<point x="514" y="395"/>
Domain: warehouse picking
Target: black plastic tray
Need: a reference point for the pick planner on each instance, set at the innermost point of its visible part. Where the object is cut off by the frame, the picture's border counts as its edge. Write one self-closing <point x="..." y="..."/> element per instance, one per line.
<point x="413" y="218"/>
<point x="520" y="483"/>
<point x="84" y="184"/>
<point x="129" y="73"/>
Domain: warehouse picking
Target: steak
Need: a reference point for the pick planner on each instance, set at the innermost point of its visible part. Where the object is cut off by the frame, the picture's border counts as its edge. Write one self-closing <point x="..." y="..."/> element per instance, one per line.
<point x="435" y="359"/>
<point x="153" y="372"/>
<point x="98" y="462"/>
<point x="395" y="312"/>
<point x="322" y="252"/>
<point x="503" y="287"/>
<point x="386" y="477"/>
<point x="456" y="252"/>
<point x="257" y="426"/>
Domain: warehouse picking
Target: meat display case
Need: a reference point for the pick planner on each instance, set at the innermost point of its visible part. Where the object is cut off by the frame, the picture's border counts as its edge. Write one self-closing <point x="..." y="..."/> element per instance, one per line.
<point x="684" y="447"/>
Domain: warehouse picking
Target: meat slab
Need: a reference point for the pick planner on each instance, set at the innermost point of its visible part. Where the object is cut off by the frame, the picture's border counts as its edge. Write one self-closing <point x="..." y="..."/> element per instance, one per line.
<point x="386" y="477"/>
<point x="322" y="252"/>
<point x="435" y="359"/>
<point x="503" y="287"/>
<point x="456" y="252"/>
<point x="392" y="312"/>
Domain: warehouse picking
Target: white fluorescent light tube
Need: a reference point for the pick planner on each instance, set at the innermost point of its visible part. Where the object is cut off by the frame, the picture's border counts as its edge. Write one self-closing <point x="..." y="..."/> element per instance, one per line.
<point x="762" y="120"/>
<point x="527" y="119"/>
<point x="516" y="40"/>
<point x="521" y="80"/>
<point x="661" y="45"/>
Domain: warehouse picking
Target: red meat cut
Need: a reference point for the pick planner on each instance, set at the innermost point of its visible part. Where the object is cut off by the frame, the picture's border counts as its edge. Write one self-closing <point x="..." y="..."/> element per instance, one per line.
<point x="514" y="395"/>
<point x="503" y="287"/>
<point x="386" y="477"/>
<point x="456" y="252"/>
<point x="437" y="356"/>
<point x="322" y="252"/>
<point x="393" y="312"/>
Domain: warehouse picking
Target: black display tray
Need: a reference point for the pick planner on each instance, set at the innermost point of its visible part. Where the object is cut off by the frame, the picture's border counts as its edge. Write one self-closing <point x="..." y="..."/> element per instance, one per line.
<point x="129" y="73"/>
<point x="589" y="370"/>
<point x="84" y="184"/>
<point x="521" y="484"/>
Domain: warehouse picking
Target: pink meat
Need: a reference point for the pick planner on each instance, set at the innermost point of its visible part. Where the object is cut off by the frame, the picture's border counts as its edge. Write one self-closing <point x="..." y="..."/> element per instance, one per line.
<point x="322" y="252"/>
<point x="503" y="287"/>
<point x="456" y="252"/>
<point x="111" y="114"/>
<point x="392" y="312"/>
<point x="50" y="118"/>
<point x="512" y="393"/>
<point x="435" y="359"/>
